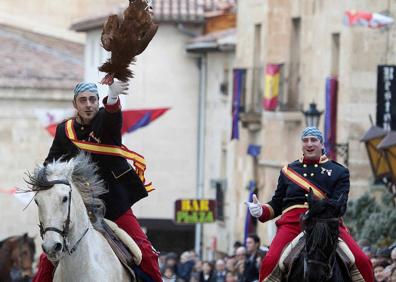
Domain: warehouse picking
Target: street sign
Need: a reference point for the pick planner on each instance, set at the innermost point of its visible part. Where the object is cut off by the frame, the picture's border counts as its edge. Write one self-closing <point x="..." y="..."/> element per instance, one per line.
<point x="191" y="211"/>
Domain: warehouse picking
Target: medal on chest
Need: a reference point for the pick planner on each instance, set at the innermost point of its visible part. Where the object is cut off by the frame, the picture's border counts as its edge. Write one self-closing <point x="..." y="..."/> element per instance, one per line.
<point x="327" y="171"/>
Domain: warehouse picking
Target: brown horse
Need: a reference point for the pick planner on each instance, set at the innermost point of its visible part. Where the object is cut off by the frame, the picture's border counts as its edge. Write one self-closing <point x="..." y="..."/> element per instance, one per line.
<point x="16" y="258"/>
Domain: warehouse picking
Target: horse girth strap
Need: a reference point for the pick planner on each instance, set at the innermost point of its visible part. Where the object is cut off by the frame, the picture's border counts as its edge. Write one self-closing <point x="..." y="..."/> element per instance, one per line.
<point x="110" y="150"/>
<point x="302" y="182"/>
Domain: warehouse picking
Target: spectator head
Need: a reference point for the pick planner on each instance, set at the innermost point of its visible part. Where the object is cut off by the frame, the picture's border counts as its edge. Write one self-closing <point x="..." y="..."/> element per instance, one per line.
<point x="220" y="265"/>
<point x="240" y="253"/>
<point x="207" y="267"/>
<point x="393" y="255"/>
<point x="193" y="255"/>
<point x="369" y="251"/>
<point x="236" y="245"/>
<point x="184" y="257"/>
<point x="168" y="272"/>
<point x="379" y="274"/>
<point x="230" y="264"/>
<point x="252" y="244"/>
<point x="383" y="254"/>
<point x="161" y="260"/>
<point x="198" y="266"/>
<point x="171" y="259"/>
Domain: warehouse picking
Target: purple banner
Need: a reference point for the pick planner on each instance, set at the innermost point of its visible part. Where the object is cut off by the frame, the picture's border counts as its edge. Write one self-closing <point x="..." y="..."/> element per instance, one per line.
<point x="330" y="126"/>
<point x="238" y="89"/>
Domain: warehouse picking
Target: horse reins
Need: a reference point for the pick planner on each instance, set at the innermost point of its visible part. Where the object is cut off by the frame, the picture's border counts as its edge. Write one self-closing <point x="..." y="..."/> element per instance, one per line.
<point x="65" y="232"/>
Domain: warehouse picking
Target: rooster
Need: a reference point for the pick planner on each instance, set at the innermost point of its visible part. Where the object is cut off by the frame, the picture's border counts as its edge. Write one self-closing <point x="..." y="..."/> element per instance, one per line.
<point x="126" y="38"/>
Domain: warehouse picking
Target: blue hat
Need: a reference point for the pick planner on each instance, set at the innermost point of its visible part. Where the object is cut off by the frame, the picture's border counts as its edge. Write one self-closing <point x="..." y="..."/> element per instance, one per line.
<point x="312" y="131"/>
<point x="85" y="87"/>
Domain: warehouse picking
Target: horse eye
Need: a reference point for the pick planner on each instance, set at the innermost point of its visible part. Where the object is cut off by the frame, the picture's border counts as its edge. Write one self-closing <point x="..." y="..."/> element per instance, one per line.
<point x="36" y="201"/>
<point x="64" y="200"/>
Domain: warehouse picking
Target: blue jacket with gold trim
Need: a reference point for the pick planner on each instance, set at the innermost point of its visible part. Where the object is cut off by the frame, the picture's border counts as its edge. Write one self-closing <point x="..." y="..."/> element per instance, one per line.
<point x="329" y="176"/>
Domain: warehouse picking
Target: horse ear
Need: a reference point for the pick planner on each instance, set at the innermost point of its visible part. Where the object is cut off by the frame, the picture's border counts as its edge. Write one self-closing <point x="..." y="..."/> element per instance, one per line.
<point x="25" y="236"/>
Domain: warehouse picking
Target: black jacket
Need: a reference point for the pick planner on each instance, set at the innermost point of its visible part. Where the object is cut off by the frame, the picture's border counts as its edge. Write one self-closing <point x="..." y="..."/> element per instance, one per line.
<point x="124" y="185"/>
<point x="329" y="176"/>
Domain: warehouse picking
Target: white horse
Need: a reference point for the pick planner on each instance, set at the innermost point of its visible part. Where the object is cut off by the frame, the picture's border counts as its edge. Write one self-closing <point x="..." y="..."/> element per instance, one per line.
<point x="65" y="190"/>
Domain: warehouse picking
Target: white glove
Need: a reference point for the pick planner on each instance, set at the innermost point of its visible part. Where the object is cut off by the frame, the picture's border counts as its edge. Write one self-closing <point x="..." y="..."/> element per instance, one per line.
<point x="115" y="89"/>
<point x="255" y="207"/>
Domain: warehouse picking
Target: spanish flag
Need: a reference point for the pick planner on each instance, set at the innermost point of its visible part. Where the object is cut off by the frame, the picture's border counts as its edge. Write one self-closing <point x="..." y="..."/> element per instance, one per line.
<point x="272" y="78"/>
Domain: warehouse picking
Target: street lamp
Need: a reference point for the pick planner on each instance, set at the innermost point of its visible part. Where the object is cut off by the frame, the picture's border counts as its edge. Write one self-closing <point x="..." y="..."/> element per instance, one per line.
<point x="372" y="138"/>
<point x="388" y="146"/>
<point x="312" y="115"/>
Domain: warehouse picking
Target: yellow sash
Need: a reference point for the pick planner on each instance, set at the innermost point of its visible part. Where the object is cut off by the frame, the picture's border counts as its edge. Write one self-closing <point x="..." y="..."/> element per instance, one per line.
<point x="302" y="182"/>
<point x="112" y="150"/>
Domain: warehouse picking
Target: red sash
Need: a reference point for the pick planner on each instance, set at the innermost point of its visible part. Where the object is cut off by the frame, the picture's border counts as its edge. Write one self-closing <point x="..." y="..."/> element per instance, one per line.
<point x="103" y="149"/>
<point x="302" y="182"/>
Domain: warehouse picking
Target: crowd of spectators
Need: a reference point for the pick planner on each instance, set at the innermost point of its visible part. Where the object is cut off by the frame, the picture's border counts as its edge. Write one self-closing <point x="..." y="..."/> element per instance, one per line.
<point x="243" y="264"/>
<point x="383" y="260"/>
<point x="240" y="266"/>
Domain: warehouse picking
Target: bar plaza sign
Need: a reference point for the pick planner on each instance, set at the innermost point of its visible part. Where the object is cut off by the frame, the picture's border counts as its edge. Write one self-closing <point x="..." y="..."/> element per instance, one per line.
<point x="191" y="211"/>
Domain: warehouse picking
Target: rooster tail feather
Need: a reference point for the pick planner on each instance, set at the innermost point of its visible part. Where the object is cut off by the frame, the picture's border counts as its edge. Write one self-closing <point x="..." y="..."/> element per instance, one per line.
<point x="119" y="71"/>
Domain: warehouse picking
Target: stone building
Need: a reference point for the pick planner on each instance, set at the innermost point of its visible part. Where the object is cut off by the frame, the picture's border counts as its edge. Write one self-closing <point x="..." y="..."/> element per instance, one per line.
<point x="37" y="75"/>
<point x="172" y="72"/>
<point x="311" y="42"/>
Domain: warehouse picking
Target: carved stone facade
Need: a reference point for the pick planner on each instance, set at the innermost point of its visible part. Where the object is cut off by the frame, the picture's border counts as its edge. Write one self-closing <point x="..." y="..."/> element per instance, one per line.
<point x="308" y="37"/>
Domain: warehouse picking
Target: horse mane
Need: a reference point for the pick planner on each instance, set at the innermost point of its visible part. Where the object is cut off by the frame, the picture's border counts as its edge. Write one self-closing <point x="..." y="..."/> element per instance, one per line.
<point x="323" y="234"/>
<point x="80" y="172"/>
<point x="5" y="240"/>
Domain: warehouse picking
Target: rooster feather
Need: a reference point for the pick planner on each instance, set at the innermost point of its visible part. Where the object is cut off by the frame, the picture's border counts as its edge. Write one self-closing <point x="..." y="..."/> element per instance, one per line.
<point x="126" y="38"/>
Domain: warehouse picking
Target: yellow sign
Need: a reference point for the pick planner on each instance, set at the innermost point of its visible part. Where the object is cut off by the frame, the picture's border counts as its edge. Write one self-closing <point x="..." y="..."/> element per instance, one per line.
<point x="191" y="211"/>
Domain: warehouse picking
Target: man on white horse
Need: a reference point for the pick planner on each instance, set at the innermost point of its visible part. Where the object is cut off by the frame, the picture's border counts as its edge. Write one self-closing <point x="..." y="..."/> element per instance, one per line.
<point x="327" y="179"/>
<point x="98" y="130"/>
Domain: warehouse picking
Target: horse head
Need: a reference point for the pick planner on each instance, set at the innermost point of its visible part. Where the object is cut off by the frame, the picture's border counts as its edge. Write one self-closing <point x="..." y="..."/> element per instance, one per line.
<point x="64" y="189"/>
<point x="21" y="250"/>
<point x="320" y="224"/>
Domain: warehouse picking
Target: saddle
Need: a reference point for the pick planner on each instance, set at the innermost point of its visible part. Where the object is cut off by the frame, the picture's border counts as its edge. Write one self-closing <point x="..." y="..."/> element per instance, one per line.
<point x="294" y="249"/>
<point x="123" y="246"/>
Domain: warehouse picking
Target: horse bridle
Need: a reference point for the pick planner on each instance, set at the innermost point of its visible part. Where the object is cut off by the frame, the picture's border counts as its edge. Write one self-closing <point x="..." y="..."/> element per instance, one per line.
<point x="65" y="232"/>
<point x="330" y="264"/>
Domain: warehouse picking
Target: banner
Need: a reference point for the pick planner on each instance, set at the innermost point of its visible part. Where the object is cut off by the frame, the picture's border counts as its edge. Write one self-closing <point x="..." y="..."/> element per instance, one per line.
<point x="272" y="80"/>
<point x="239" y="86"/>
<point x="386" y="99"/>
<point x="366" y="19"/>
<point x="131" y="119"/>
<point x="135" y="119"/>
<point x="330" y="126"/>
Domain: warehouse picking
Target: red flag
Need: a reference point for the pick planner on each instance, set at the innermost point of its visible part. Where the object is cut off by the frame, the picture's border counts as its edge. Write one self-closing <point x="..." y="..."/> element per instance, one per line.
<point x="372" y="20"/>
<point x="132" y="119"/>
<point x="135" y="119"/>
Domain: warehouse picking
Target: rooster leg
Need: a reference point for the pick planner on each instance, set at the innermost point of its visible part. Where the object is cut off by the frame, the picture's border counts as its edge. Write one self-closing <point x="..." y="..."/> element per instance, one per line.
<point x="108" y="79"/>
